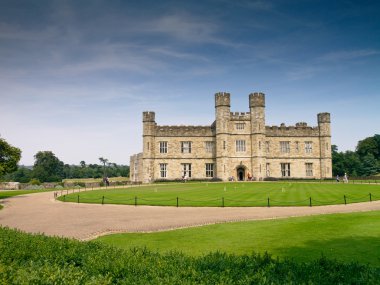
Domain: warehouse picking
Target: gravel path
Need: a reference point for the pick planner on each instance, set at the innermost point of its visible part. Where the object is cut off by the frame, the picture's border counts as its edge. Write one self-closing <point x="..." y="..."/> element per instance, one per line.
<point x="40" y="213"/>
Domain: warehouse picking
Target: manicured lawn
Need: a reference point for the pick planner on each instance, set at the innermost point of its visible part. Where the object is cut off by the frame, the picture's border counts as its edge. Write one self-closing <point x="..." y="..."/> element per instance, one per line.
<point x="232" y="194"/>
<point x="345" y="237"/>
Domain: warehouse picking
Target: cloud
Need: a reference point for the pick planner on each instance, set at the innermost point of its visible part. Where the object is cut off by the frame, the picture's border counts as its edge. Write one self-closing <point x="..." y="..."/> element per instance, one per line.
<point x="349" y="54"/>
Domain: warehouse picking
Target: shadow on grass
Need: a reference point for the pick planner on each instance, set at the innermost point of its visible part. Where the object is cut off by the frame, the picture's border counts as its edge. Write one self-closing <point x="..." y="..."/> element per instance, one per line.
<point x="365" y="250"/>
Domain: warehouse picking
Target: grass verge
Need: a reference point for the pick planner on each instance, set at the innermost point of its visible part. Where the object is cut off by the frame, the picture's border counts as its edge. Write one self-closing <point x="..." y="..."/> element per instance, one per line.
<point x="345" y="237"/>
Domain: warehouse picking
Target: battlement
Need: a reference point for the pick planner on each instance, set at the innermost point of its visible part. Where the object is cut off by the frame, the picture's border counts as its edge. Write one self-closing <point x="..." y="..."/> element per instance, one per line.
<point x="323" y="118"/>
<point x="240" y="116"/>
<point x="299" y="130"/>
<point x="176" y="131"/>
<point x="222" y="99"/>
<point x="149" y="116"/>
<point x="256" y="99"/>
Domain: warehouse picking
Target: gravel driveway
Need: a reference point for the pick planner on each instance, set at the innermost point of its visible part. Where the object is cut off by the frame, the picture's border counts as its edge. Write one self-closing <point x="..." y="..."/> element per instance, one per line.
<point x="40" y="213"/>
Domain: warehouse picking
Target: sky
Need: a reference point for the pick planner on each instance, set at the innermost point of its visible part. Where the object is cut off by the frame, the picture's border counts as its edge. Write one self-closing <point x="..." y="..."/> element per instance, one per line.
<point x="75" y="76"/>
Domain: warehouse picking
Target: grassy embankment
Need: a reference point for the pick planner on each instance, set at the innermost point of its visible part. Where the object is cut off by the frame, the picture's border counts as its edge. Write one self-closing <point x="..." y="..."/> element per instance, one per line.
<point x="233" y="194"/>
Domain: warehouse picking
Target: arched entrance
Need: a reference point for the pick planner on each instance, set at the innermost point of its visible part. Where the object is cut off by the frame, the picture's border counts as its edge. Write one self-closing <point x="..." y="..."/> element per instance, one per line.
<point x="240" y="173"/>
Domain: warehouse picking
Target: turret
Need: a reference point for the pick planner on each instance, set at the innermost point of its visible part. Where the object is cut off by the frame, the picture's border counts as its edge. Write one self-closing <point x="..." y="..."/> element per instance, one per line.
<point x="324" y="123"/>
<point x="257" y="107"/>
<point x="149" y="127"/>
<point x="222" y="118"/>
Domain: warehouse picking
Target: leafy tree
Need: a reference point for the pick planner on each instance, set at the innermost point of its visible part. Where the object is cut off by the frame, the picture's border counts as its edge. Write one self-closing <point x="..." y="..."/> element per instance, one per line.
<point x="9" y="157"/>
<point x="47" y="167"/>
<point x="22" y="174"/>
<point x="368" y="146"/>
<point x="104" y="161"/>
<point x="370" y="166"/>
<point x="83" y="164"/>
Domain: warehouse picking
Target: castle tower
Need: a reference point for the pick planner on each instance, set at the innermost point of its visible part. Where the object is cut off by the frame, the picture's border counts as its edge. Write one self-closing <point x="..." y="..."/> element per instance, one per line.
<point x="325" y="145"/>
<point x="149" y="126"/>
<point x="222" y="118"/>
<point x="258" y="160"/>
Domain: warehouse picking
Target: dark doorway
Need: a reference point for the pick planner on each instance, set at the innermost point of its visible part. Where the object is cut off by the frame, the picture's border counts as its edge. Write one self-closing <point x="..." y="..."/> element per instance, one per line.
<point x="240" y="174"/>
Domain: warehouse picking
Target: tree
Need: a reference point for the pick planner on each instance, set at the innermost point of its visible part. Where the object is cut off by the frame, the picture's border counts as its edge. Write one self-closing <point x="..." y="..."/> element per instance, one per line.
<point x="83" y="164"/>
<point x="104" y="161"/>
<point x="47" y="167"/>
<point x="9" y="157"/>
<point x="368" y="146"/>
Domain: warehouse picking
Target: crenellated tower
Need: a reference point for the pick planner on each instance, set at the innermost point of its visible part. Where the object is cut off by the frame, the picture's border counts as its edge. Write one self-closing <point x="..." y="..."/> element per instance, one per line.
<point x="324" y="125"/>
<point x="149" y="127"/>
<point x="257" y="108"/>
<point x="222" y="118"/>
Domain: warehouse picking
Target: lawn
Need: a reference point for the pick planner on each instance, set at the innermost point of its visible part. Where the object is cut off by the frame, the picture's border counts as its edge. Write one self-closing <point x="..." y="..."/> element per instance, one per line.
<point x="232" y="194"/>
<point x="345" y="237"/>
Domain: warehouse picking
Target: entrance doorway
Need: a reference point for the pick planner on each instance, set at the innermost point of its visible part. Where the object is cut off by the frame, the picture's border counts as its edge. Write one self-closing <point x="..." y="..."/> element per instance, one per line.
<point x="240" y="174"/>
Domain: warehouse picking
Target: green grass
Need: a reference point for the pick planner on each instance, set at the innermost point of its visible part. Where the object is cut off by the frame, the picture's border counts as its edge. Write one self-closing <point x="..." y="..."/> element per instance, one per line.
<point x="37" y="259"/>
<point x="232" y="194"/>
<point x="345" y="237"/>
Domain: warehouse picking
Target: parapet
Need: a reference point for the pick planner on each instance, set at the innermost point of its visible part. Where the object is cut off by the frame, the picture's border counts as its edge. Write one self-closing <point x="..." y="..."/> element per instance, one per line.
<point x="240" y="116"/>
<point x="179" y="131"/>
<point x="149" y="116"/>
<point x="323" y="118"/>
<point x="299" y="130"/>
<point x="256" y="99"/>
<point x="222" y="99"/>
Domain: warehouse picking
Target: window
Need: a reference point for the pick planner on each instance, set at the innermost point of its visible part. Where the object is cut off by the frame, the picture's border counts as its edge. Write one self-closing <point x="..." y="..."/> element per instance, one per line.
<point x="163" y="147"/>
<point x="285" y="169"/>
<point x="308" y="147"/>
<point x="327" y="146"/>
<point x="268" y="169"/>
<point x="224" y="144"/>
<point x="285" y="147"/>
<point x="297" y="146"/>
<point x="209" y="146"/>
<point x="309" y="169"/>
<point x="259" y="145"/>
<point x="209" y="170"/>
<point x="186" y="167"/>
<point x="148" y="145"/>
<point x="163" y="170"/>
<point x="240" y="145"/>
<point x="240" y="126"/>
<point x="267" y="146"/>
<point x="186" y="147"/>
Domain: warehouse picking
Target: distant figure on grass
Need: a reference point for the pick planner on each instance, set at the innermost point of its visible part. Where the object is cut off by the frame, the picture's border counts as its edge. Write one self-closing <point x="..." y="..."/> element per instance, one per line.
<point x="337" y="178"/>
<point x="345" y="178"/>
<point x="106" y="181"/>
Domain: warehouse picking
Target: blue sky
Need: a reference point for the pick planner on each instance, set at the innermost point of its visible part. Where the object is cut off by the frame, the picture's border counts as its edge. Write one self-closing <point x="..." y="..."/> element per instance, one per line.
<point x="76" y="76"/>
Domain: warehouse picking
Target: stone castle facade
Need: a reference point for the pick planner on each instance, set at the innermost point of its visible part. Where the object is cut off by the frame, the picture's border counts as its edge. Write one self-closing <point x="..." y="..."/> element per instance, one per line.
<point x="236" y="146"/>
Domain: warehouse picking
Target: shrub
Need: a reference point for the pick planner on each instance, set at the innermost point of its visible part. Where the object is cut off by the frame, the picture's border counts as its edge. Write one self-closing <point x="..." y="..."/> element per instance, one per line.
<point x="34" y="181"/>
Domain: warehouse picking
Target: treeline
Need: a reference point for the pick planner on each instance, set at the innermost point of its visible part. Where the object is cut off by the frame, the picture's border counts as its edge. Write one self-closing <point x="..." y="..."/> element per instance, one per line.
<point x="364" y="161"/>
<point x="48" y="168"/>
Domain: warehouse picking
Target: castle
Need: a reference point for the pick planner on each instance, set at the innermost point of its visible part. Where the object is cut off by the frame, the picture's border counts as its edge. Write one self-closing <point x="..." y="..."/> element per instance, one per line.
<point x="236" y="146"/>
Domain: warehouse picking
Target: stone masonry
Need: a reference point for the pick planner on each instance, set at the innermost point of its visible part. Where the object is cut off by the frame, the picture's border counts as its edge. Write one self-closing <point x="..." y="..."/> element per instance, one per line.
<point x="236" y="146"/>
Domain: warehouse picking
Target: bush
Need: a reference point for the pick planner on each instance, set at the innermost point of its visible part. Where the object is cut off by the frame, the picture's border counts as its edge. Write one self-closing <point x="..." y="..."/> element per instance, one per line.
<point x="34" y="187"/>
<point x="34" y="181"/>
